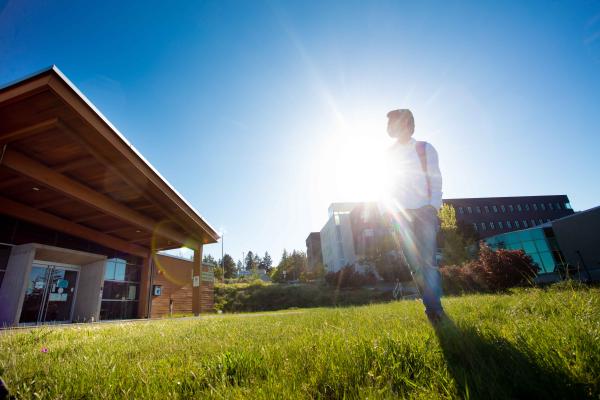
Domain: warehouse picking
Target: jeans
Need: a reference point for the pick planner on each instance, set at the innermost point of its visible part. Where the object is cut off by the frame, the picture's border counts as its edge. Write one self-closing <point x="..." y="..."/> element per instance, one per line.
<point x="418" y="236"/>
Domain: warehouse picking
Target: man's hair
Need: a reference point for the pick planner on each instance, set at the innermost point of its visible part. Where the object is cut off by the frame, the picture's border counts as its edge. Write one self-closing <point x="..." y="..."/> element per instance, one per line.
<point x="402" y="114"/>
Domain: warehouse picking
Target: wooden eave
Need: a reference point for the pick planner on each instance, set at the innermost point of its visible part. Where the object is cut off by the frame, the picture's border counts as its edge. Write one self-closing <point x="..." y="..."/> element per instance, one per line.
<point x="84" y="171"/>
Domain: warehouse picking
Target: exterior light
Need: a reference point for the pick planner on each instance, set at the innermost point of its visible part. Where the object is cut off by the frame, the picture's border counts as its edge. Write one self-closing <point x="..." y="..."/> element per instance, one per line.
<point x="37" y="189"/>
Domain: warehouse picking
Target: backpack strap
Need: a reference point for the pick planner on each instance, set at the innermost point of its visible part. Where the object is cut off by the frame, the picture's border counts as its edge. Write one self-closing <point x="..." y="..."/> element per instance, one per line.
<point x="422" y="152"/>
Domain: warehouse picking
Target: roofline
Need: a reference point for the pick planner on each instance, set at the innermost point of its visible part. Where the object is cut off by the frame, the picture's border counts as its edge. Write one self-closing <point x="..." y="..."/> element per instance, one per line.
<point x="214" y="234"/>
<point x="505" y="197"/>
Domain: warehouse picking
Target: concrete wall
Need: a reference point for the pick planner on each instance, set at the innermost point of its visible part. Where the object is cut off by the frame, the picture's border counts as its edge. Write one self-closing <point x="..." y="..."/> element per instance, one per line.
<point x="89" y="292"/>
<point x="14" y="284"/>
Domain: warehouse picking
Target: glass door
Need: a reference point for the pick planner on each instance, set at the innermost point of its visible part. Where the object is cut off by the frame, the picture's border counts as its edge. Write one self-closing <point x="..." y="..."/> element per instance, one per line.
<point x="50" y="294"/>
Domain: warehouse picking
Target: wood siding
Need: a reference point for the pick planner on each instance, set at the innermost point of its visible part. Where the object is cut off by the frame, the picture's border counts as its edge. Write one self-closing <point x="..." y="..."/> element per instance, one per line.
<point x="175" y="277"/>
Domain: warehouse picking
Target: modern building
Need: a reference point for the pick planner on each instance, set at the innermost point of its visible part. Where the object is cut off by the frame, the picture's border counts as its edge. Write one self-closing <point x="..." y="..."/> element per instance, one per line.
<point x="569" y="245"/>
<point x="83" y="215"/>
<point x="314" y="255"/>
<point x="490" y="216"/>
<point x="337" y="242"/>
<point x="354" y="228"/>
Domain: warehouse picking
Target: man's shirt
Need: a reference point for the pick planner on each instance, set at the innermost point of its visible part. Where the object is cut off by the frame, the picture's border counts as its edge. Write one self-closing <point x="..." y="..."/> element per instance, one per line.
<point x="407" y="180"/>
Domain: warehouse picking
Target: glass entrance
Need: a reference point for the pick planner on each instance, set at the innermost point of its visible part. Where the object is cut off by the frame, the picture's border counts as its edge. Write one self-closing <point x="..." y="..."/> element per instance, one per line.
<point x="49" y="295"/>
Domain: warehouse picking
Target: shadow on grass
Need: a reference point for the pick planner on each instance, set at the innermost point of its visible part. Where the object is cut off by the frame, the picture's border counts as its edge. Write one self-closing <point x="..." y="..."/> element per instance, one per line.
<point x="493" y="368"/>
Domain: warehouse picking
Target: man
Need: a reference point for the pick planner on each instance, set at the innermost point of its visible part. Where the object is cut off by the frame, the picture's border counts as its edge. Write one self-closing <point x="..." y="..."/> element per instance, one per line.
<point x="415" y="190"/>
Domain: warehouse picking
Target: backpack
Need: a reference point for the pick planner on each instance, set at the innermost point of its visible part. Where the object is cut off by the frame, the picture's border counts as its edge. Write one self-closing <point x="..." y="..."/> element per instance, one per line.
<point x="422" y="153"/>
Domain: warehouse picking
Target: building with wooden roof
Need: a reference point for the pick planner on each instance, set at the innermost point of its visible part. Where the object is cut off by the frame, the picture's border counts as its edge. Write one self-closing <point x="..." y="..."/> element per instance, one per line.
<point x="83" y="215"/>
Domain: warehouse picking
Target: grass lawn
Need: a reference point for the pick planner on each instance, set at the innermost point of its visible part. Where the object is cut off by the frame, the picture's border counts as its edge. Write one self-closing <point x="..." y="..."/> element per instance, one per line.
<point x="529" y="344"/>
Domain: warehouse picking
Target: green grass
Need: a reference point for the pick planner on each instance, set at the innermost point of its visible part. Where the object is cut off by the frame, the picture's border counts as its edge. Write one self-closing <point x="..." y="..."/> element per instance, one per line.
<point x="529" y="344"/>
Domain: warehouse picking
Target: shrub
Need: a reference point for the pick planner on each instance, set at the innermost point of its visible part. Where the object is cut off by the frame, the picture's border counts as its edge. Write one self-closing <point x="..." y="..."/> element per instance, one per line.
<point x="494" y="270"/>
<point x="349" y="277"/>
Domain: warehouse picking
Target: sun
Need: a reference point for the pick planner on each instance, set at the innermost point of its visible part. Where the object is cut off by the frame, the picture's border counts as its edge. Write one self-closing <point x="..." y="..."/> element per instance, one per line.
<point x="352" y="168"/>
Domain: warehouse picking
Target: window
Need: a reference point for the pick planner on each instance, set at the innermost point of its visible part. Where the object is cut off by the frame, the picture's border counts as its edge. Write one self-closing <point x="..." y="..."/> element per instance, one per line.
<point x="519" y="207"/>
<point x="483" y="226"/>
<point x="500" y="225"/>
<point x="526" y="207"/>
<point x="568" y="206"/>
<point x="547" y="220"/>
<point x="508" y="224"/>
<point x="475" y="227"/>
<point x="503" y="208"/>
<point x="534" y="207"/>
<point x="478" y="210"/>
<point x="517" y="224"/>
<point x="542" y="206"/>
<point x="558" y="207"/>
<point x="4" y="256"/>
<point x="495" y="209"/>
<point x="532" y="222"/>
<point x="550" y="207"/>
<point x="486" y="209"/>
<point x="492" y="225"/>
<point x="525" y="224"/>
<point x="120" y="294"/>
<point x="461" y="210"/>
<point x="511" y="208"/>
<point x="469" y="210"/>
<point x="540" y="221"/>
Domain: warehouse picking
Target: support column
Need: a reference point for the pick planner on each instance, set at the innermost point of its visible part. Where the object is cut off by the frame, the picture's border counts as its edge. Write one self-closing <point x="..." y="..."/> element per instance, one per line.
<point x="145" y="288"/>
<point x="196" y="280"/>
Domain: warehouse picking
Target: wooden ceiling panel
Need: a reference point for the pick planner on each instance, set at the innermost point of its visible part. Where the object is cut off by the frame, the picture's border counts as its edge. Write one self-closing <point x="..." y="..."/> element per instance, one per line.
<point x="51" y="147"/>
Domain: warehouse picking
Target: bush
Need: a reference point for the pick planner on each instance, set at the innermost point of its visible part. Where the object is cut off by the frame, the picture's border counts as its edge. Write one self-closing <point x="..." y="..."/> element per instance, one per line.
<point x="260" y="296"/>
<point x="494" y="270"/>
<point x="349" y="277"/>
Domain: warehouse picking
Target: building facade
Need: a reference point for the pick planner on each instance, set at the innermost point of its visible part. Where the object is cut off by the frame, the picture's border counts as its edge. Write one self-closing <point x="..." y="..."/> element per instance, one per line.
<point x="566" y="246"/>
<point x="314" y="256"/>
<point x="337" y="242"/>
<point x="490" y="216"/>
<point x="83" y="215"/>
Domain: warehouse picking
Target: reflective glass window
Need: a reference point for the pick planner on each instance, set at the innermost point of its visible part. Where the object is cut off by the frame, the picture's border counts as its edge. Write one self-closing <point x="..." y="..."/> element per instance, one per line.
<point x="500" y="225"/>
<point x="478" y="210"/>
<point x="532" y="222"/>
<point x="495" y="209"/>
<point x="540" y="221"/>
<point x="461" y="210"/>
<point x="469" y="210"/>
<point x="511" y="208"/>
<point x="475" y="227"/>
<point x="548" y="261"/>
<point x="534" y="207"/>
<point x="550" y="207"/>
<point x="524" y="222"/>
<point x="517" y="224"/>
<point x="558" y="207"/>
<point x="486" y="209"/>
<point x="519" y="207"/>
<point x="483" y="226"/>
<point x="568" y="206"/>
<point x="503" y="208"/>
<point x="542" y="245"/>
<point x="492" y="225"/>
<point x="508" y="224"/>
<point x="542" y="206"/>
<point x="529" y="247"/>
<point x="526" y="207"/>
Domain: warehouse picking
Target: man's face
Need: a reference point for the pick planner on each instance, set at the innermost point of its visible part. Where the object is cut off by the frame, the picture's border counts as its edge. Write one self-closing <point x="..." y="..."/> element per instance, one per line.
<point x="400" y="128"/>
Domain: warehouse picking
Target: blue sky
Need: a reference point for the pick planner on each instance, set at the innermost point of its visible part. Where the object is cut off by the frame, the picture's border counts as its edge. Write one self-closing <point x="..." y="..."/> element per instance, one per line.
<point x="263" y="113"/>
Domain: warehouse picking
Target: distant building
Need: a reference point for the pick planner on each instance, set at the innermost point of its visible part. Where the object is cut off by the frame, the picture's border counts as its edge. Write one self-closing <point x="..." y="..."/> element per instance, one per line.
<point x="313" y="250"/>
<point x="491" y="216"/>
<point x="337" y="243"/>
<point x="567" y="245"/>
<point x="353" y="228"/>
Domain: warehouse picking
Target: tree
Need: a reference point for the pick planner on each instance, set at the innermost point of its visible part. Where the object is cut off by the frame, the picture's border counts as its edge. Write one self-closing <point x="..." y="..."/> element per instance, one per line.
<point x="455" y="244"/>
<point x="249" y="261"/>
<point x="291" y="267"/>
<point x="239" y="267"/>
<point x="228" y="264"/>
<point x="208" y="259"/>
<point x="266" y="263"/>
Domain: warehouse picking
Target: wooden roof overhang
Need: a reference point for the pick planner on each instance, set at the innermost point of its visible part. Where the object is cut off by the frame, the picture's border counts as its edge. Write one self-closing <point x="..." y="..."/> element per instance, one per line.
<point x="64" y="166"/>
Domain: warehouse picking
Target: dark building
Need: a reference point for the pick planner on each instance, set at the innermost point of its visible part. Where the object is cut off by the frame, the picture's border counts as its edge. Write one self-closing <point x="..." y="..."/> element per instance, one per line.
<point x="491" y="216"/>
<point x="370" y="226"/>
<point x="313" y="250"/>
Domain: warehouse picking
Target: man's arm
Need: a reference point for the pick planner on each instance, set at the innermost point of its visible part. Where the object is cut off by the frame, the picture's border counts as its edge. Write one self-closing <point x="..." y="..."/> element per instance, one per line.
<point x="435" y="176"/>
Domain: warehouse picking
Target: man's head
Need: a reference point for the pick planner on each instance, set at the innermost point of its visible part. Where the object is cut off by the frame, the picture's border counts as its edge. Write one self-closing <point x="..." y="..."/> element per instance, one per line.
<point x="401" y="124"/>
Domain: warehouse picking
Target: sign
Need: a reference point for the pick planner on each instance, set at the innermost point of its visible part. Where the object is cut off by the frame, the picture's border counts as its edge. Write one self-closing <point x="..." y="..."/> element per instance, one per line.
<point x="208" y="276"/>
<point x="157" y="290"/>
<point x="196" y="281"/>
